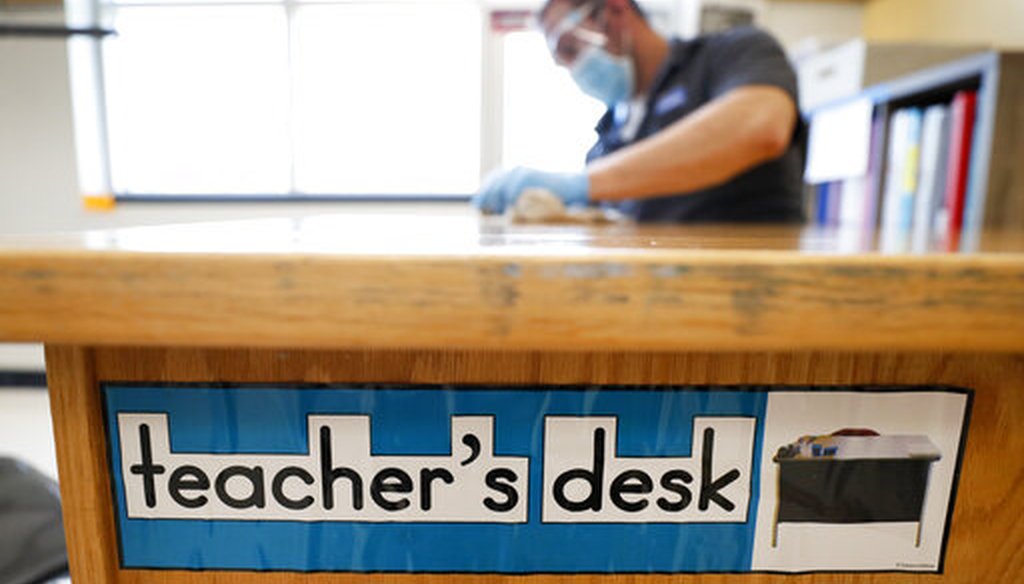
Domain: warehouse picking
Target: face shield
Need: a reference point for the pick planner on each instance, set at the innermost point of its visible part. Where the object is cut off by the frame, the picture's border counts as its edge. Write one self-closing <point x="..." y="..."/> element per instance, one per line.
<point x="568" y="38"/>
<point x="609" y="78"/>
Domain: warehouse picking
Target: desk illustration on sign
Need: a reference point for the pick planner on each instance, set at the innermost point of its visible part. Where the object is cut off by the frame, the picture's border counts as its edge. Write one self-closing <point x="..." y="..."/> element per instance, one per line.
<point x="854" y="476"/>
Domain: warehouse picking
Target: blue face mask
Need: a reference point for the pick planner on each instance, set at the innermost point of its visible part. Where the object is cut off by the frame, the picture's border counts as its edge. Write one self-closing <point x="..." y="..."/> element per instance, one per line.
<point x="604" y="76"/>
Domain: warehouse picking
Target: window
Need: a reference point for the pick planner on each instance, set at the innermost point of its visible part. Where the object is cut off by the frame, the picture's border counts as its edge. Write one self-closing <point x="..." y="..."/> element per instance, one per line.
<point x="387" y="98"/>
<point x="548" y="123"/>
<point x="197" y="100"/>
<point x="331" y="97"/>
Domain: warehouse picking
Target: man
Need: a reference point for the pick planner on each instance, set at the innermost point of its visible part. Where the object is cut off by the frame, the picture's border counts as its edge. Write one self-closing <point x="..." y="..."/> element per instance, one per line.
<point x="696" y="131"/>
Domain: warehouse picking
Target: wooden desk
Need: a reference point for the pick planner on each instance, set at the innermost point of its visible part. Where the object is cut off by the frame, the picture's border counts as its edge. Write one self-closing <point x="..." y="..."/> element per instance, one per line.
<point x="330" y="303"/>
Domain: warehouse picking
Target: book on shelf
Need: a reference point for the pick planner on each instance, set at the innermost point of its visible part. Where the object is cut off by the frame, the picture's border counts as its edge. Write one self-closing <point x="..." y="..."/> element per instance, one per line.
<point x="895" y="150"/>
<point x="931" y="184"/>
<point x="901" y="178"/>
<point x="821" y="203"/>
<point x="961" y="132"/>
<point x="835" y="201"/>
<point x="851" y="201"/>
<point x="876" y="161"/>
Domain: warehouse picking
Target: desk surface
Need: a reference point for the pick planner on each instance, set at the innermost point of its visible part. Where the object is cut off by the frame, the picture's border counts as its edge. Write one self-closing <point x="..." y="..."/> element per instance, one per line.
<point x="465" y="235"/>
<point x="454" y="281"/>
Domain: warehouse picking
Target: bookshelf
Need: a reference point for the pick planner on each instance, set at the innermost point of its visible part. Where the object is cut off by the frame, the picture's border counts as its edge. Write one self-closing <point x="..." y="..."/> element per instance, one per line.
<point x="994" y="194"/>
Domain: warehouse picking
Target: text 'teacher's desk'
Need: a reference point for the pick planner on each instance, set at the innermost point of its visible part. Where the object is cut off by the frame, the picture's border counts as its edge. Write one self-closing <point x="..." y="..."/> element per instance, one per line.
<point x="448" y="305"/>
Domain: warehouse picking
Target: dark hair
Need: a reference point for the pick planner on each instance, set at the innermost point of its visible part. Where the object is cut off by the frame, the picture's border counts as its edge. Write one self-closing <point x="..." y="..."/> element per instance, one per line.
<point x="600" y="4"/>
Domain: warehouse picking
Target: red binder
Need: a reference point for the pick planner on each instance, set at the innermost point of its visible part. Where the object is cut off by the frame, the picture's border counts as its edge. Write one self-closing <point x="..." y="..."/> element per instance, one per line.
<point x="959" y="162"/>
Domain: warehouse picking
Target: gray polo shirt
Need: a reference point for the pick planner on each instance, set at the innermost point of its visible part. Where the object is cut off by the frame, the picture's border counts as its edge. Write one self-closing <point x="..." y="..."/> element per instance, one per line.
<point x="697" y="72"/>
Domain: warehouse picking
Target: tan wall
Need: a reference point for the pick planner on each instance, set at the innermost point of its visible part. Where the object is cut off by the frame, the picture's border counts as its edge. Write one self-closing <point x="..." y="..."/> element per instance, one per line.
<point x="794" y="22"/>
<point x="997" y="23"/>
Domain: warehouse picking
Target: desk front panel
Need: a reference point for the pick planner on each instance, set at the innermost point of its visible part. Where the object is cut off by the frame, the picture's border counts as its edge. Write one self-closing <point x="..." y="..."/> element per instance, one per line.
<point x="976" y="538"/>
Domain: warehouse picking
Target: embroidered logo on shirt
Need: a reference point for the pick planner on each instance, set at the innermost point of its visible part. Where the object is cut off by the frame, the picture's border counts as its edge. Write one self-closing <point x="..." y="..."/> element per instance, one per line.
<point x="674" y="99"/>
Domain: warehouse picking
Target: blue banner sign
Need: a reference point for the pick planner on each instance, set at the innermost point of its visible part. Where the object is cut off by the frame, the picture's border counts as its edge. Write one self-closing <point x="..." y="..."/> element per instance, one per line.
<point x="531" y="480"/>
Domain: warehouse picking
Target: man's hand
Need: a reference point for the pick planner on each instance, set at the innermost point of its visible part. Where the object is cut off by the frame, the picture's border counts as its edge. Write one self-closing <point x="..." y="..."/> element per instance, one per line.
<point x="501" y="189"/>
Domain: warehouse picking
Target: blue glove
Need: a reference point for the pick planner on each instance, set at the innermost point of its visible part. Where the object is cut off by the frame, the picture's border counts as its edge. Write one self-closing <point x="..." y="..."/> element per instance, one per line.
<point x="501" y="190"/>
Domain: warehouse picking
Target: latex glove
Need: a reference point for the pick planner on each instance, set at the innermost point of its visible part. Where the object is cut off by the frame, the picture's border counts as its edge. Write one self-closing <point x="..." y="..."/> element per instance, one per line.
<point x="501" y="189"/>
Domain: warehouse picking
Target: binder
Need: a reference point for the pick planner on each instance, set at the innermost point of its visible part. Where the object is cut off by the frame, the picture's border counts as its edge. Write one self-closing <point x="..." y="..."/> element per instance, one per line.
<point x="901" y="179"/>
<point x="821" y="211"/>
<point x="931" y="186"/>
<point x="910" y="170"/>
<point x="835" y="202"/>
<point x="897" y="147"/>
<point x="874" y="183"/>
<point x="958" y="162"/>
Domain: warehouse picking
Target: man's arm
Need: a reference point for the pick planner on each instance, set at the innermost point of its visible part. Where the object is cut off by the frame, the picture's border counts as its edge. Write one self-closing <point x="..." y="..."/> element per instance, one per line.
<point x="745" y="127"/>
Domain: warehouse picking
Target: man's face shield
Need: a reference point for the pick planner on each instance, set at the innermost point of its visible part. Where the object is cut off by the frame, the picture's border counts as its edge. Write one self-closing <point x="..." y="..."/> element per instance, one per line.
<point x="569" y="37"/>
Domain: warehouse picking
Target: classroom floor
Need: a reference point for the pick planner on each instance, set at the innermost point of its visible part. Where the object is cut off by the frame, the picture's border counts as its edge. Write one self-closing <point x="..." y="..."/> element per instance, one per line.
<point x="26" y="432"/>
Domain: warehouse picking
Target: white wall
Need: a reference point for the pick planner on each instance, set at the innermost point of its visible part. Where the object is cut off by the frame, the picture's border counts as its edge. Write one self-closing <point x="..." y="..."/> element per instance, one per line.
<point x="37" y="164"/>
<point x="21" y="357"/>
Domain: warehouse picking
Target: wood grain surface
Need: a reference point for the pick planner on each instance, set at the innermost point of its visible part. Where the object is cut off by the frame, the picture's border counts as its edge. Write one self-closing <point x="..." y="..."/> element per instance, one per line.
<point x="82" y="463"/>
<point x="681" y="300"/>
<point x="986" y="533"/>
<point x="416" y="282"/>
<point x="1004" y="203"/>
